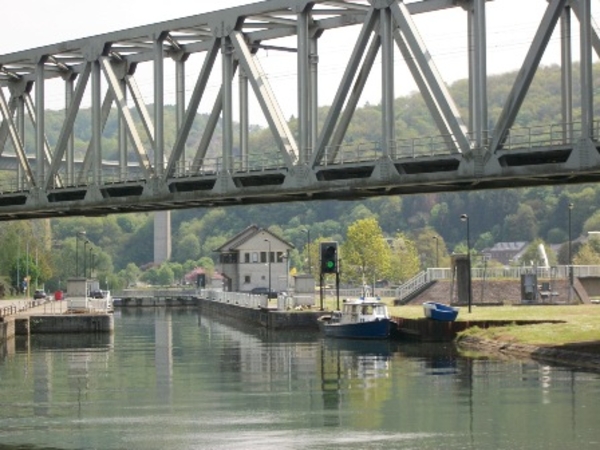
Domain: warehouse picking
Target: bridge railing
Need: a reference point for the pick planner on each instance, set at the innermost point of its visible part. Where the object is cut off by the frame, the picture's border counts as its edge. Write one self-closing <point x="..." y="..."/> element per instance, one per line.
<point x="540" y="136"/>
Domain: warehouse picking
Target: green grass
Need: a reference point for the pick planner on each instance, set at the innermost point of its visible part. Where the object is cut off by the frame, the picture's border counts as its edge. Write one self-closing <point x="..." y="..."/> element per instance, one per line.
<point x="581" y="322"/>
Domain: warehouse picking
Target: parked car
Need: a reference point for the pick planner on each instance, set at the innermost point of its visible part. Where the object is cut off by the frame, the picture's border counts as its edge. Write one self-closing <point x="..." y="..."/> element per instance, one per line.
<point x="39" y="294"/>
<point x="97" y="294"/>
<point x="264" y="291"/>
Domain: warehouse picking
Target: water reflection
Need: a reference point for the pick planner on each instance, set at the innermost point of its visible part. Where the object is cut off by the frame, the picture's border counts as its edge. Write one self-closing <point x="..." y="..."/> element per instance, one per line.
<point x="177" y="379"/>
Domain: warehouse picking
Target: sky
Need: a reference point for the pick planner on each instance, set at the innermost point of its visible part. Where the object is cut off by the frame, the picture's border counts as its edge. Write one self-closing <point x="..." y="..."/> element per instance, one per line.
<point x="511" y="25"/>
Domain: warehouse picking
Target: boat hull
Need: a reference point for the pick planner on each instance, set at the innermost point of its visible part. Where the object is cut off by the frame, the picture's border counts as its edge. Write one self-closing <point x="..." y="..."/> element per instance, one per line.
<point x="378" y="329"/>
<point x="440" y="312"/>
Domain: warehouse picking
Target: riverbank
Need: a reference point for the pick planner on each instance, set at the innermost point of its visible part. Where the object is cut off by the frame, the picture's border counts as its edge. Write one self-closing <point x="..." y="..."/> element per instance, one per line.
<point x="573" y="339"/>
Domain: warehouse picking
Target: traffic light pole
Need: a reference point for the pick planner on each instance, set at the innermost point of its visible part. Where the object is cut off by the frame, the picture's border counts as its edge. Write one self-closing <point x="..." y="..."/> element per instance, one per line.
<point x="321" y="279"/>
<point x="337" y="289"/>
<point x="329" y="264"/>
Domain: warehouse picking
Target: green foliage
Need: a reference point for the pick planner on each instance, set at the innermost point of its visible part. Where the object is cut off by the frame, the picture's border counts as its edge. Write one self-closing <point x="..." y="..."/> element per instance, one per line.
<point x="365" y="253"/>
<point x="404" y="259"/>
<point x="123" y="242"/>
<point x="588" y="253"/>
<point x="532" y="255"/>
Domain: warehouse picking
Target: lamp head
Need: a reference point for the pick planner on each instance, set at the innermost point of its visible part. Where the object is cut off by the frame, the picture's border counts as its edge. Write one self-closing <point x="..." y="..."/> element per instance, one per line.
<point x="464" y="217"/>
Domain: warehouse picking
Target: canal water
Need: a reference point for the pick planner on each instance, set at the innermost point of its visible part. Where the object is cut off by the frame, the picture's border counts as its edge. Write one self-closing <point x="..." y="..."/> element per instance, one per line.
<point x="175" y="379"/>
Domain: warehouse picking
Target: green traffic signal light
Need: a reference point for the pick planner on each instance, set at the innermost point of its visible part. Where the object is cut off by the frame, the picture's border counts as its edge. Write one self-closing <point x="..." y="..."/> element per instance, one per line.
<point x="329" y="257"/>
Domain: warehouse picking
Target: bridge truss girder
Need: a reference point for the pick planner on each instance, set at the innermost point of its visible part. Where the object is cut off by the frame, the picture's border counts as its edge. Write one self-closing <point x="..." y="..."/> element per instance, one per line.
<point x="312" y="161"/>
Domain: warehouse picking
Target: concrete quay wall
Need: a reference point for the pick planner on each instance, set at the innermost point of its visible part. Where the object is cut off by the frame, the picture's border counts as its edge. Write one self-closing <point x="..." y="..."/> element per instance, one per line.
<point x="264" y="317"/>
<point x="7" y="329"/>
<point x="65" y="323"/>
<point x="427" y="330"/>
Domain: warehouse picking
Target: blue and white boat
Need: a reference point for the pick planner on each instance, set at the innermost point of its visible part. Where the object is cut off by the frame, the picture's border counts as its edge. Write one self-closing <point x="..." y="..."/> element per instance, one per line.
<point x="364" y="318"/>
<point x="439" y="311"/>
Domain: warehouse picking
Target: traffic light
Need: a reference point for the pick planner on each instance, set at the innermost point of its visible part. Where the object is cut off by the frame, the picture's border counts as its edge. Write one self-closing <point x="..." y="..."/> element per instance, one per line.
<point x="329" y="258"/>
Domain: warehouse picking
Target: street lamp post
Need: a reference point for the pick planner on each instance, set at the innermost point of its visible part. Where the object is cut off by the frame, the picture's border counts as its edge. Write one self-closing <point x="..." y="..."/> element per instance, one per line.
<point x="79" y="233"/>
<point x="85" y="243"/>
<point x="269" y="264"/>
<point x="570" y="256"/>
<point x="91" y="260"/>
<point x="465" y="218"/>
<point x="307" y="231"/>
<point x="437" y="253"/>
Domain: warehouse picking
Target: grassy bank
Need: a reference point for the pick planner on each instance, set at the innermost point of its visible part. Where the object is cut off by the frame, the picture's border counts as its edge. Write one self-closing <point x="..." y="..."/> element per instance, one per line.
<point x="582" y="323"/>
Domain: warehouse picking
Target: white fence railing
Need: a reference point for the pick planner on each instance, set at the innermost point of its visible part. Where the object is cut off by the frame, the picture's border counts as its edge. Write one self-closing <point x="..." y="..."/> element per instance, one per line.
<point x="236" y="298"/>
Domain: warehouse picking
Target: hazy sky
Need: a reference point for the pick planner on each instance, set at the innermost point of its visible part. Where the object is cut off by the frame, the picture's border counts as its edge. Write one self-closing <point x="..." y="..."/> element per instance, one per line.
<point x="511" y="25"/>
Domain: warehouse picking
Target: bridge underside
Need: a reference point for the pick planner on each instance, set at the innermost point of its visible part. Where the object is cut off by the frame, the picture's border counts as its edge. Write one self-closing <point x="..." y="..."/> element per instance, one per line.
<point x="43" y="177"/>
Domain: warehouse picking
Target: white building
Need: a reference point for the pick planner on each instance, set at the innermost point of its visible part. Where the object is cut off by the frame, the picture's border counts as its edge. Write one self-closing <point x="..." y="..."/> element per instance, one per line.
<point x="255" y="258"/>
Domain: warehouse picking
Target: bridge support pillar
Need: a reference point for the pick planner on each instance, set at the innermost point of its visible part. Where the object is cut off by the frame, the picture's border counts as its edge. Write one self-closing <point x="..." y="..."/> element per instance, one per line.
<point x="162" y="236"/>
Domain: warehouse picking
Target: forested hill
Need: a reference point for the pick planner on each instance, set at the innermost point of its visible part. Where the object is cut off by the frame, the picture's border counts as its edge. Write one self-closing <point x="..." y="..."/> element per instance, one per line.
<point x="496" y="215"/>
<point x="502" y="215"/>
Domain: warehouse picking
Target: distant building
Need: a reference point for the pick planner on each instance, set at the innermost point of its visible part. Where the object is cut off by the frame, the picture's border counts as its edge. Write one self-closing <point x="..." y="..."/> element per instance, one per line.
<point x="506" y="252"/>
<point x="212" y="281"/>
<point x="252" y="257"/>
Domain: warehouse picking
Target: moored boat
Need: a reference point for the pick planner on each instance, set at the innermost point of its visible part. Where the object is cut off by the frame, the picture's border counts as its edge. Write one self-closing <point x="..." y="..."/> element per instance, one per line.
<point x="364" y="318"/>
<point x="439" y="311"/>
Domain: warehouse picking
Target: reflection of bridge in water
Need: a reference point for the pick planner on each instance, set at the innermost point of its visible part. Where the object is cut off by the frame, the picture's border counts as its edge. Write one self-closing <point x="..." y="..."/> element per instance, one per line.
<point x="310" y="163"/>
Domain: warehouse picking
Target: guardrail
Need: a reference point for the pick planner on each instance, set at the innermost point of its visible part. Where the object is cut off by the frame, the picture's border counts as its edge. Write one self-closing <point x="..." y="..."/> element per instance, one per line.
<point x="236" y="298"/>
<point x="18" y="306"/>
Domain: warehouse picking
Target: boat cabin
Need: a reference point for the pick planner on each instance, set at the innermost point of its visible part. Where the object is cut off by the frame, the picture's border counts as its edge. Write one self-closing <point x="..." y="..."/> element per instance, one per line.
<point x="363" y="310"/>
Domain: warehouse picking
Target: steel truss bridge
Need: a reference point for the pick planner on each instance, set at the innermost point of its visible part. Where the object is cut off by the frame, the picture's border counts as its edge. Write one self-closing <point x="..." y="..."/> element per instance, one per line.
<point x="311" y="162"/>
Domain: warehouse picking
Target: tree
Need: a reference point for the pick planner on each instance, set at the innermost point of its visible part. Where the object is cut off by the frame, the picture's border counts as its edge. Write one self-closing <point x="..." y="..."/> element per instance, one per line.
<point x="187" y="248"/>
<point x="132" y="274"/>
<point x="521" y="226"/>
<point x="365" y="254"/>
<point x="430" y="248"/>
<point x="405" y="262"/>
<point x="588" y="253"/>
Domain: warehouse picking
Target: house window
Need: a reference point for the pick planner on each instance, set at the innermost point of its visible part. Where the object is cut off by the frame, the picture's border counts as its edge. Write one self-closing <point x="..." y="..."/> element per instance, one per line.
<point x="246" y="279"/>
<point x="246" y="258"/>
<point x="228" y="258"/>
<point x="263" y="257"/>
<point x="254" y="257"/>
<point x="279" y="256"/>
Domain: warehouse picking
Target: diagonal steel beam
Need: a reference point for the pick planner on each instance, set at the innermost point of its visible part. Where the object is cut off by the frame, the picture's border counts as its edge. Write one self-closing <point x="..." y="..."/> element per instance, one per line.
<point x="266" y="98"/>
<point x="576" y="5"/>
<point x="67" y="128"/>
<point x="368" y="27"/>
<point x="4" y="126"/>
<point x="209" y="129"/>
<point x="16" y="141"/>
<point x="119" y="97"/>
<point x="357" y="90"/>
<point x="47" y="154"/>
<point x="527" y="72"/>
<point x="431" y="76"/>
<point x="426" y="93"/>
<point x="192" y="108"/>
<point x="141" y="108"/>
